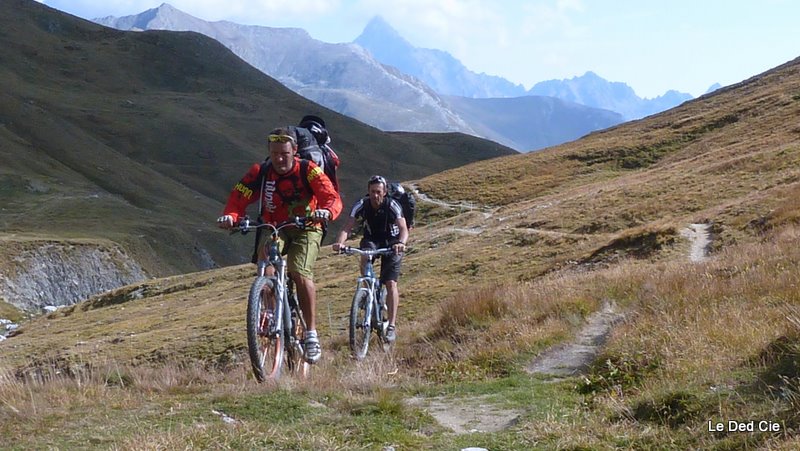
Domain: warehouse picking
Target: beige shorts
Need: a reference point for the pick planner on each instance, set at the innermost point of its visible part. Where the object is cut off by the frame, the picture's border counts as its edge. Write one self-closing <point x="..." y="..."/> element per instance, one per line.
<point x="301" y="248"/>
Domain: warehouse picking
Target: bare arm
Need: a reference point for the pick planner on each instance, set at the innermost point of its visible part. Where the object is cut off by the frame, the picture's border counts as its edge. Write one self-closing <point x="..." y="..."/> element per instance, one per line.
<point x="401" y="224"/>
<point x="340" y="239"/>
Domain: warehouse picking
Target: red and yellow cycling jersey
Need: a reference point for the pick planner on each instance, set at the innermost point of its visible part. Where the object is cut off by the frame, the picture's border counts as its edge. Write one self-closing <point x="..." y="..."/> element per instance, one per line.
<point x="284" y="196"/>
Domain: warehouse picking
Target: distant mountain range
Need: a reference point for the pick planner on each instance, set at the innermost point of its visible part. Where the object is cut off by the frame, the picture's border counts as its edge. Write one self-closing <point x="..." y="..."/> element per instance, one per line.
<point x="342" y="77"/>
<point x="446" y="75"/>
<point x="438" y="69"/>
<point x="384" y="81"/>
<point x="592" y="90"/>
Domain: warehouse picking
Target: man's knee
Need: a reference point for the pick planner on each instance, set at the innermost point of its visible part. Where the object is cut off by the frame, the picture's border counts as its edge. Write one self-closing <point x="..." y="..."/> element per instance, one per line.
<point x="300" y="279"/>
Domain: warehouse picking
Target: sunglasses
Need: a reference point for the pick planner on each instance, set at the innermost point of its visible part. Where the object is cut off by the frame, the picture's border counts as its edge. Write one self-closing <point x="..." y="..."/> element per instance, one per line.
<point x="377" y="179"/>
<point x="281" y="139"/>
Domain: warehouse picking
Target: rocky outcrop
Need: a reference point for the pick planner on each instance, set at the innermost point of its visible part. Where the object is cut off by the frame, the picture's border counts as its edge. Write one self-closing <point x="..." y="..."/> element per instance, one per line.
<point x="39" y="273"/>
<point x="6" y="326"/>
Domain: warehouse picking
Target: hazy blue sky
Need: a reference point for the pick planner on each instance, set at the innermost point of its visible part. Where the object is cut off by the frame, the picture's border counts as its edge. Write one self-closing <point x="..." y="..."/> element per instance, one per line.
<point x="652" y="45"/>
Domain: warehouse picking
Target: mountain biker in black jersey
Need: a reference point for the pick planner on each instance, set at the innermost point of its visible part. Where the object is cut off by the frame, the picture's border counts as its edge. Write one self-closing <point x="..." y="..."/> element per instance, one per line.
<point x="384" y="226"/>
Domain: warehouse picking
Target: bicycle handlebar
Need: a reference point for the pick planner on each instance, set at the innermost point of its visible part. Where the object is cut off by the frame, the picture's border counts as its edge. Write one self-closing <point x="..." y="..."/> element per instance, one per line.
<point x="368" y="252"/>
<point x="245" y="224"/>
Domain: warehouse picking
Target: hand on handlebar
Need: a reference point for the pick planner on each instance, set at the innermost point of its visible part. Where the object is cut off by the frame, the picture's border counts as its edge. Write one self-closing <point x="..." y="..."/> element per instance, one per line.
<point x="321" y="215"/>
<point x="225" y="222"/>
<point x="338" y="247"/>
<point x="399" y="248"/>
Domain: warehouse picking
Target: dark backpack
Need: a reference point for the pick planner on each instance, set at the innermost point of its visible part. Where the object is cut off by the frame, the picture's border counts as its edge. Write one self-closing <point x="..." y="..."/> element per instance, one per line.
<point x="312" y="144"/>
<point x="409" y="205"/>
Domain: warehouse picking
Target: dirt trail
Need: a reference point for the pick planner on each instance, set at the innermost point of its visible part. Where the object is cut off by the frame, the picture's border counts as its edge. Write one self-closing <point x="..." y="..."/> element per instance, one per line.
<point x="462" y="205"/>
<point x="467" y="415"/>
<point x="700" y="237"/>
<point x="572" y="358"/>
<point x="475" y="414"/>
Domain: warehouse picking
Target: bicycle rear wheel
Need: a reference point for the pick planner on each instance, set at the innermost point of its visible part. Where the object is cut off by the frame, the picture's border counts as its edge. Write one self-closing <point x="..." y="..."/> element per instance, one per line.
<point x="295" y="360"/>
<point x="359" y="324"/>
<point x="266" y="352"/>
<point x="384" y="320"/>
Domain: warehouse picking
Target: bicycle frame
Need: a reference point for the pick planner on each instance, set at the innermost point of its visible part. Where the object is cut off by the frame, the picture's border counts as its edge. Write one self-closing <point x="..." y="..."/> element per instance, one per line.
<point x="279" y="328"/>
<point x="372" y="284"/>
<point x="368" y="298"/>
<point x="280" y="288"/>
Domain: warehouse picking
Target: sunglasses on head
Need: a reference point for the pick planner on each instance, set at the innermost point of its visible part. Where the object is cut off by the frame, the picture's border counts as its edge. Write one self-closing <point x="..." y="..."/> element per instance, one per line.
<point x="281" y="139"/>
<point x="377" y="179"/>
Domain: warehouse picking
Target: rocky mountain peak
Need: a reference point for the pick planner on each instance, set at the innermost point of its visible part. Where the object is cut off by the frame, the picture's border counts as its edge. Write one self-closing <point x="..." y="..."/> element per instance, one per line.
<point x="383" y="41"/>
<point x="378" y="27"/>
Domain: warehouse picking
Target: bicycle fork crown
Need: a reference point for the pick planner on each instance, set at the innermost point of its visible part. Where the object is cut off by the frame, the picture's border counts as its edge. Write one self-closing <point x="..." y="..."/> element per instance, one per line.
<point x="274" y="253"/>
<point x="369" y="270"/>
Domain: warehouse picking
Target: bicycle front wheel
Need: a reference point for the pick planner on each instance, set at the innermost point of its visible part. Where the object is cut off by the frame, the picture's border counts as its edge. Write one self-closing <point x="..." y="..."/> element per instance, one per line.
<point x="359" y="324"/>
<point x="265" y="349"/>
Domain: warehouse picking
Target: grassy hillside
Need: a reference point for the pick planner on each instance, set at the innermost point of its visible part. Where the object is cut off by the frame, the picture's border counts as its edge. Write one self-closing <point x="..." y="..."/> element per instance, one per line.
<point x="552" y="238"/>
<point x="138" y="137"/>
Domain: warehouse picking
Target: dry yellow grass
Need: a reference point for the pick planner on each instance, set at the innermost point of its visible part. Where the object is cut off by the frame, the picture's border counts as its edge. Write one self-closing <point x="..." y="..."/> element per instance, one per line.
<point x="485" y="291"/>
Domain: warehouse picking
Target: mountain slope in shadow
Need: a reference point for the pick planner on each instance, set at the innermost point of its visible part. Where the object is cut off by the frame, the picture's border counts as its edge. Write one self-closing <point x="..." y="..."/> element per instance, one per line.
<point x="138" y="137"/>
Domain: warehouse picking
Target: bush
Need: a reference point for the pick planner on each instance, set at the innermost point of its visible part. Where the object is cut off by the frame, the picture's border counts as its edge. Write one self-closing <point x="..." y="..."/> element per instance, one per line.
<point x="617" y="373"/>
<point x="473" y="309"/>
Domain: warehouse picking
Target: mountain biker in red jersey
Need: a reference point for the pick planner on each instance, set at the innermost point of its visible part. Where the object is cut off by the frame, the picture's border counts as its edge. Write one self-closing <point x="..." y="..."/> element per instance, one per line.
<point x="283" y="194"/>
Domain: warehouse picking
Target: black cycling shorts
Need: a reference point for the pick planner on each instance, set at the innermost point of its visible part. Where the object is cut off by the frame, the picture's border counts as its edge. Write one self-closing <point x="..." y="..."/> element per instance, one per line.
<point x="390" y="264"/>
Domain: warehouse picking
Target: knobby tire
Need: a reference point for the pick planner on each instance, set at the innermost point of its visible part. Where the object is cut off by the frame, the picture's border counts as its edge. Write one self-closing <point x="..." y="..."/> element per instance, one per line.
<point x="266" y="353"/>
<point x="359" y="335"/>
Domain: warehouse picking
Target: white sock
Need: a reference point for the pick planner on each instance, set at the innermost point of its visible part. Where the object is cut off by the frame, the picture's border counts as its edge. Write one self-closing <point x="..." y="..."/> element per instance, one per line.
<point x="310" y="334"/>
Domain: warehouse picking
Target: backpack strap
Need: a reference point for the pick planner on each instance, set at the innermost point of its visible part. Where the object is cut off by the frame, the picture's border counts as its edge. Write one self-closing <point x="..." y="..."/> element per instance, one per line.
<point x="262" y="179"/>
<point x="307" y="184"/>
<point x="304" y="175"/>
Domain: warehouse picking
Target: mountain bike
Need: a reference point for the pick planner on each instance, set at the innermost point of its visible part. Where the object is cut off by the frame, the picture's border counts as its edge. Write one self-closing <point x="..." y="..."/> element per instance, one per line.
<point x="275" y="323"/>
<point x="368" y="311"/>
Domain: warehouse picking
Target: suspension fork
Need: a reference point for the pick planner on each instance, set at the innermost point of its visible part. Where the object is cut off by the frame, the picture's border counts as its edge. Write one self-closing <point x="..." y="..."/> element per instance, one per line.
<point x="261" y="270"/>
<point x="376" y="301"/>
<point x="365" y="283"/>
<point x="279" y="291"/>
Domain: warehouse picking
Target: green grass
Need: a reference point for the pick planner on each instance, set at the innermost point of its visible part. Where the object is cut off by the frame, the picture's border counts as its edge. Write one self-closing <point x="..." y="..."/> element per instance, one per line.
<point x="10" y="312"/>
<point x="518" y="390"/>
